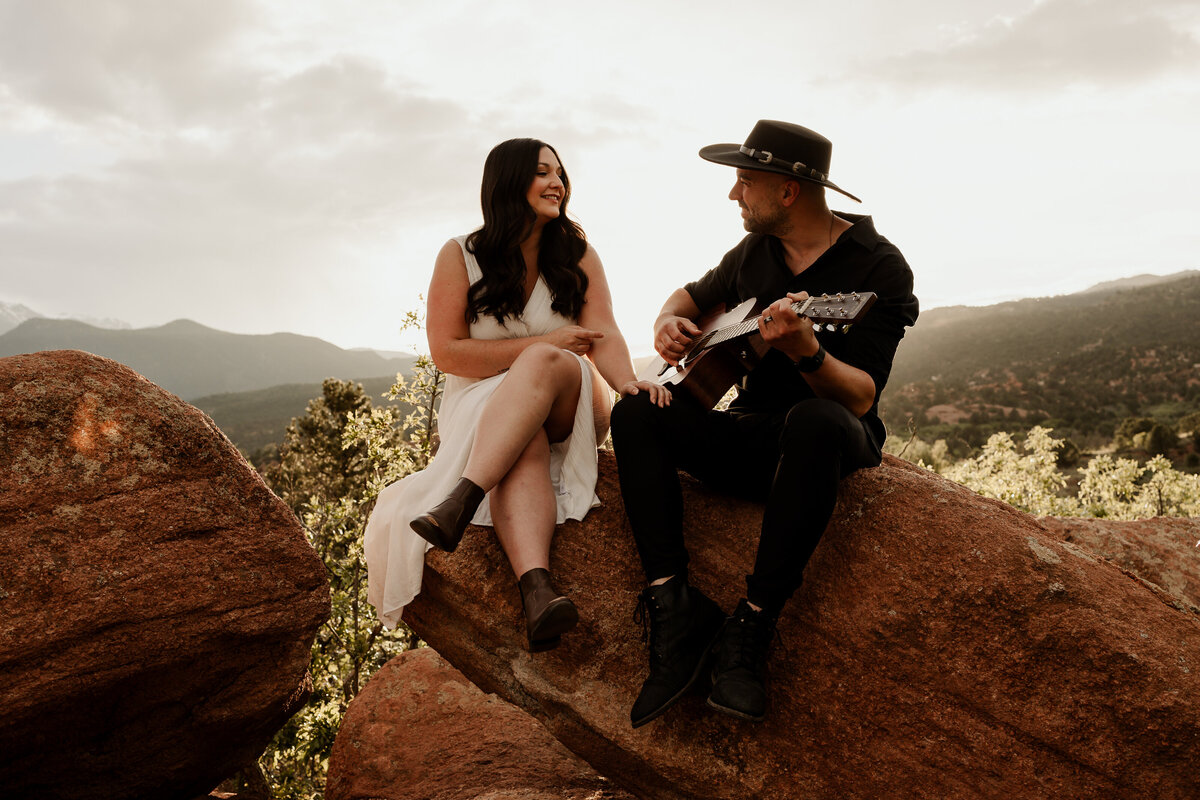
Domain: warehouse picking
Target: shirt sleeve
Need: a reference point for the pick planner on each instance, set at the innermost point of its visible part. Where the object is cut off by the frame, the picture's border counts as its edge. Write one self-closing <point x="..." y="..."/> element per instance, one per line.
<point x="870" y="344"/>
<point x="718" y="286"/>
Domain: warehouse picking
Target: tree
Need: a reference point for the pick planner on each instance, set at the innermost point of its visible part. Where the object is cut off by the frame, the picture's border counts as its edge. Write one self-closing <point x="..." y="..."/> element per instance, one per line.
<point x="1190" y="425"/>
<point x="1157" y="440"/>
<point x="313" y="463"/>
<point x="333" y="463"/>
<point x="1069" y="454"/>
<point x="1128" y="428"/>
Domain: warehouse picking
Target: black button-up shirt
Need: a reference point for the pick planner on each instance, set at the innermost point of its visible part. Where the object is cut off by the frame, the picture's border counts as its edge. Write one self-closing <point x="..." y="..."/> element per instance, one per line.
<point x="859" y="261"/>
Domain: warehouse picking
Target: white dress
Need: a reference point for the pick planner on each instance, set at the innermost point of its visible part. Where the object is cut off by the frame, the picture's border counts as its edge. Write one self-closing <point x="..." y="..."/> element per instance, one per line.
<point x="395" y="553"/>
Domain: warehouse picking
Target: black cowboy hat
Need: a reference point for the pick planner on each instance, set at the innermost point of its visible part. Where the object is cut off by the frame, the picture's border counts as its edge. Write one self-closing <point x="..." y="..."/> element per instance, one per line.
<point x="780" y="147"/>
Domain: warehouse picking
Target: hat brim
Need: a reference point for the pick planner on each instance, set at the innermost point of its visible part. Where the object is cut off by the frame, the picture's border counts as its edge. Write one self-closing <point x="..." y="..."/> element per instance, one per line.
<point x="732" y="156"/>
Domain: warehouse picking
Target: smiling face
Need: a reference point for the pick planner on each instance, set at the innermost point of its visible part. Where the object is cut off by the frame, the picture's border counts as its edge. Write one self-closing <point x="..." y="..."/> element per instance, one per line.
<point x="547" y="191"/>
<point x="759" y="194"/>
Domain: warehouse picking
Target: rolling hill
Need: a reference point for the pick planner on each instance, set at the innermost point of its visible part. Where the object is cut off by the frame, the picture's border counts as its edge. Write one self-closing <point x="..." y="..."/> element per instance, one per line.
<point x="253" y="420"/>
<point x="195" y="361"/>
<point x="1079" y="363"/>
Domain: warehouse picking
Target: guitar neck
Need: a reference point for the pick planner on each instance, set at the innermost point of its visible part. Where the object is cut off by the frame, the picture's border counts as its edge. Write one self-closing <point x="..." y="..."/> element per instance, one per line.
<point x="833" y="311"/>
<point x="748" y="326"/>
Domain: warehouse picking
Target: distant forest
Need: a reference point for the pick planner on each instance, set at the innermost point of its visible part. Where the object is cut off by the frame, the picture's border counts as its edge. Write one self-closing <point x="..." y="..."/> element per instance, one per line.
<point x="1089" y="365"/>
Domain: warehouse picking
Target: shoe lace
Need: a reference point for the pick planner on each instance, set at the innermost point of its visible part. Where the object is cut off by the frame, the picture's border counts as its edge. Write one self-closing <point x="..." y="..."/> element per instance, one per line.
<point x="747" y="641"/>
<point x="644" y="614"/>
<point x="642" y="617"/>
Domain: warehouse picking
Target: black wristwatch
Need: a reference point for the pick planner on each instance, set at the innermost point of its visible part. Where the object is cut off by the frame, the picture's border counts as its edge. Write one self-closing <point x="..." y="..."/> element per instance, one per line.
<point x="812" y="363"/>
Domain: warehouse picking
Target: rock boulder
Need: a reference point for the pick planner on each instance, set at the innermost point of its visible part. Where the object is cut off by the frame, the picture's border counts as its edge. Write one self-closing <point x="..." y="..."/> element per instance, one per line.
<point x="159" y="602"/>
<point x="421" y="729"/>
<point x="943" y="645"/>
<point x="1162" y="550"/>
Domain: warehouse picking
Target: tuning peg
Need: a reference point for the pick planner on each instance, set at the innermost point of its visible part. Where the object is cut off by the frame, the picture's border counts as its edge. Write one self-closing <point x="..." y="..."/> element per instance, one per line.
<point x="831" y="327"/>
<point x="845" y="328"/>
<point x="816" y="326"/>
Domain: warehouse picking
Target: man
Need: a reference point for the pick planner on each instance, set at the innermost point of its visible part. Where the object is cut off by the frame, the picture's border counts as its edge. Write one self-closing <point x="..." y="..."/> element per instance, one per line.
<point x="805" y="417"/>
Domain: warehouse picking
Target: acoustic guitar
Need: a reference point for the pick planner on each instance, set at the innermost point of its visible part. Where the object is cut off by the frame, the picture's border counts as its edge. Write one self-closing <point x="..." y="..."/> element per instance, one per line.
<point x="730" y="345"/>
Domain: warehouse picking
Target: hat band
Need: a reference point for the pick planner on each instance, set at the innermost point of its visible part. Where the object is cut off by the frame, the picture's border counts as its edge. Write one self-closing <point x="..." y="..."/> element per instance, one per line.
<point x="800" y="168"/>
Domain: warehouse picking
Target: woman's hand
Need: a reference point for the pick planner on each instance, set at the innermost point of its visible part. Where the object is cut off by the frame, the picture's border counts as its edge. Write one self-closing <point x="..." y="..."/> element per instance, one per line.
<point x="574" y="338"/>
<point x="658" y="393"/>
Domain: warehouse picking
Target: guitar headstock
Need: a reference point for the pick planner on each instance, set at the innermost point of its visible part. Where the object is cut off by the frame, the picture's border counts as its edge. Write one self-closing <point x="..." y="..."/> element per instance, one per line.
<point x="836" y="309"/>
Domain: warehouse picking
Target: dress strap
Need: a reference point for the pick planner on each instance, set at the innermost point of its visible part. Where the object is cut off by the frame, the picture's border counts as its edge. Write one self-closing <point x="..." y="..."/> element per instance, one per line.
<point x="474" y="273"/>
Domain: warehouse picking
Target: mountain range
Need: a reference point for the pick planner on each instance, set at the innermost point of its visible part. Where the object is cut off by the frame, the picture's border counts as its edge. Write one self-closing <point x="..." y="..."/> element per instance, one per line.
<point x="195" y="361"/>
<point x="1079" y="363"/>
<point x="13" y="314"/>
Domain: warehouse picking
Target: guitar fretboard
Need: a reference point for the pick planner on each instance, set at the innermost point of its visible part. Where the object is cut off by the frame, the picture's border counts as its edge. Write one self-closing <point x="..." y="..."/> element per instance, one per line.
<point x="743" y="328"/>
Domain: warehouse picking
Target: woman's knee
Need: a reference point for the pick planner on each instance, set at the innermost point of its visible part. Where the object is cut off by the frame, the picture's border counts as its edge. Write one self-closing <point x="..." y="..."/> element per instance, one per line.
<point x="541" y="353"/>
<point x="545" y="360"/>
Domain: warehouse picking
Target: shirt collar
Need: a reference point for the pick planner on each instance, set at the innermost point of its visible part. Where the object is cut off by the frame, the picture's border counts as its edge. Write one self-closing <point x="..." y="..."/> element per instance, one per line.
<point x="862" y="229"/>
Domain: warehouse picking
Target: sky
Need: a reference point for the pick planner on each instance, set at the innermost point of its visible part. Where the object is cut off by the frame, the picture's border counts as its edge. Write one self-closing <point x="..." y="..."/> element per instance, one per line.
<point x="262" y="166"/>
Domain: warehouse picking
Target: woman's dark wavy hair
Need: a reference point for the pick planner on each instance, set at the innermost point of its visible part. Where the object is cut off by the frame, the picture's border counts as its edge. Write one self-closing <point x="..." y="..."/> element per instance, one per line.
<point x="507" y="220"/>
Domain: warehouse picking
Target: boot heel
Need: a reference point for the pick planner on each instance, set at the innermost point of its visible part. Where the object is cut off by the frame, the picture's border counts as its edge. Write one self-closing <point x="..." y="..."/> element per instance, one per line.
<point x="443" y="526"/>
<point x="548" y="614"/>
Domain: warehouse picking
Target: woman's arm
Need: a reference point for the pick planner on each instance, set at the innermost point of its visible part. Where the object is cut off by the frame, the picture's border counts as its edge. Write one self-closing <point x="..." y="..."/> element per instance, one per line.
<point x="610" y="353"/>
<point x="450" y="342"/>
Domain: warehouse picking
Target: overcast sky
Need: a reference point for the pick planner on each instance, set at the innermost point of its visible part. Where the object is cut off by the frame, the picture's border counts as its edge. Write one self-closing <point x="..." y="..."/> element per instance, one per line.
<point x="296" y="165"/>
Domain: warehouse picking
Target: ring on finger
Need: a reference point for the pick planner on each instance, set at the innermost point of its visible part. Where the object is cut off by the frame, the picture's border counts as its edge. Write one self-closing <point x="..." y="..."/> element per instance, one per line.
<point x="768" y="318"/>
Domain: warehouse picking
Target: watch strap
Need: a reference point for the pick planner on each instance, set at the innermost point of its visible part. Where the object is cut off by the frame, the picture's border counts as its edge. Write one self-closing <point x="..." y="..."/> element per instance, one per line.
<point x="812" y="363"/>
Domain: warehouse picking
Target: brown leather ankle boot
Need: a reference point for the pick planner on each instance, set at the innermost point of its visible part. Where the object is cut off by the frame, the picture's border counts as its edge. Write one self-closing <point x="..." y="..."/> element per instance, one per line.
<point x="443" y="526"/>
<point x="548" y="614"/>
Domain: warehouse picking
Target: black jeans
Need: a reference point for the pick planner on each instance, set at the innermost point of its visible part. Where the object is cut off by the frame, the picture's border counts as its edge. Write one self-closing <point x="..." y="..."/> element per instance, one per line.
<point x="790" y="460"/>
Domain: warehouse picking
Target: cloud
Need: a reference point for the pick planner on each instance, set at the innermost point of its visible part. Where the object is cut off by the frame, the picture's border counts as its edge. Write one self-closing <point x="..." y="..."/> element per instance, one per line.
<point x="124" y="61"/>
<point x="237" y="167"/>
<point x="248" y="202"/>
<point x="335" y="151"/>
<point x="1058" y="43"/>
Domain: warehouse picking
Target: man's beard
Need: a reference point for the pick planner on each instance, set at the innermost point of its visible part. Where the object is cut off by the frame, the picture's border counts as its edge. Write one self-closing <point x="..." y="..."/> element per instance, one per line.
<point x="771" y="224"/>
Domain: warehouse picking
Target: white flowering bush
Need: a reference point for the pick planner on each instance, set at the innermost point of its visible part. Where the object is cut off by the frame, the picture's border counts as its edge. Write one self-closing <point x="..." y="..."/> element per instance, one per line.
<point x="1026" y="476"/>
<point x="1124" y="489"/>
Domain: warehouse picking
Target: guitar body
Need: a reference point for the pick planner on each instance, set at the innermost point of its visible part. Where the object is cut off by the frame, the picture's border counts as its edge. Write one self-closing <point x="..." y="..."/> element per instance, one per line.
<point x="707" y="376"/>
<point x="730" y="345"/>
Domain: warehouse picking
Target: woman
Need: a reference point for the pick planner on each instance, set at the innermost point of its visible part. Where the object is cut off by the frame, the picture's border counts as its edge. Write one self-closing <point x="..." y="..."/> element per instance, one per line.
<point x="520" y="320"/>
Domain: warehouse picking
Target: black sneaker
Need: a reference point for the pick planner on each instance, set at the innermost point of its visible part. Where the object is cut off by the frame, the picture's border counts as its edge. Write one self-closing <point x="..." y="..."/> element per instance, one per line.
<point x="739" y="673"/>
<point x="683" y="624"/>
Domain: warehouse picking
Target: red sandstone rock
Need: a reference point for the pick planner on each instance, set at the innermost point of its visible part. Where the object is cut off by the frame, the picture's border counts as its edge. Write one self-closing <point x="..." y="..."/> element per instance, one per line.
<point x="1161" y="550"/>
<point x="159" y="602"/>
<point x="419" y="729"/>
<point x="944" y="645"/>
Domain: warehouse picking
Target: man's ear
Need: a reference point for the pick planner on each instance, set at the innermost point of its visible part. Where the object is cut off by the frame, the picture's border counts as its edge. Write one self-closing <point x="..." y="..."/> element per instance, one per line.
<point x="789" y="192"/>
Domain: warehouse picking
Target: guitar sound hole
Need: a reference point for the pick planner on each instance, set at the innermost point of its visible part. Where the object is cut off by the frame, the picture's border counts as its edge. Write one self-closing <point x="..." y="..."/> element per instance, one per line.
<point x="700" y="345"/>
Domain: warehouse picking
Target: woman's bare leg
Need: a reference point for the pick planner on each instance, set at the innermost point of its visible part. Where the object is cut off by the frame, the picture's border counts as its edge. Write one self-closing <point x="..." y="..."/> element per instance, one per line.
<point x="524" y="511"/>
<point x="539" y="394"/>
